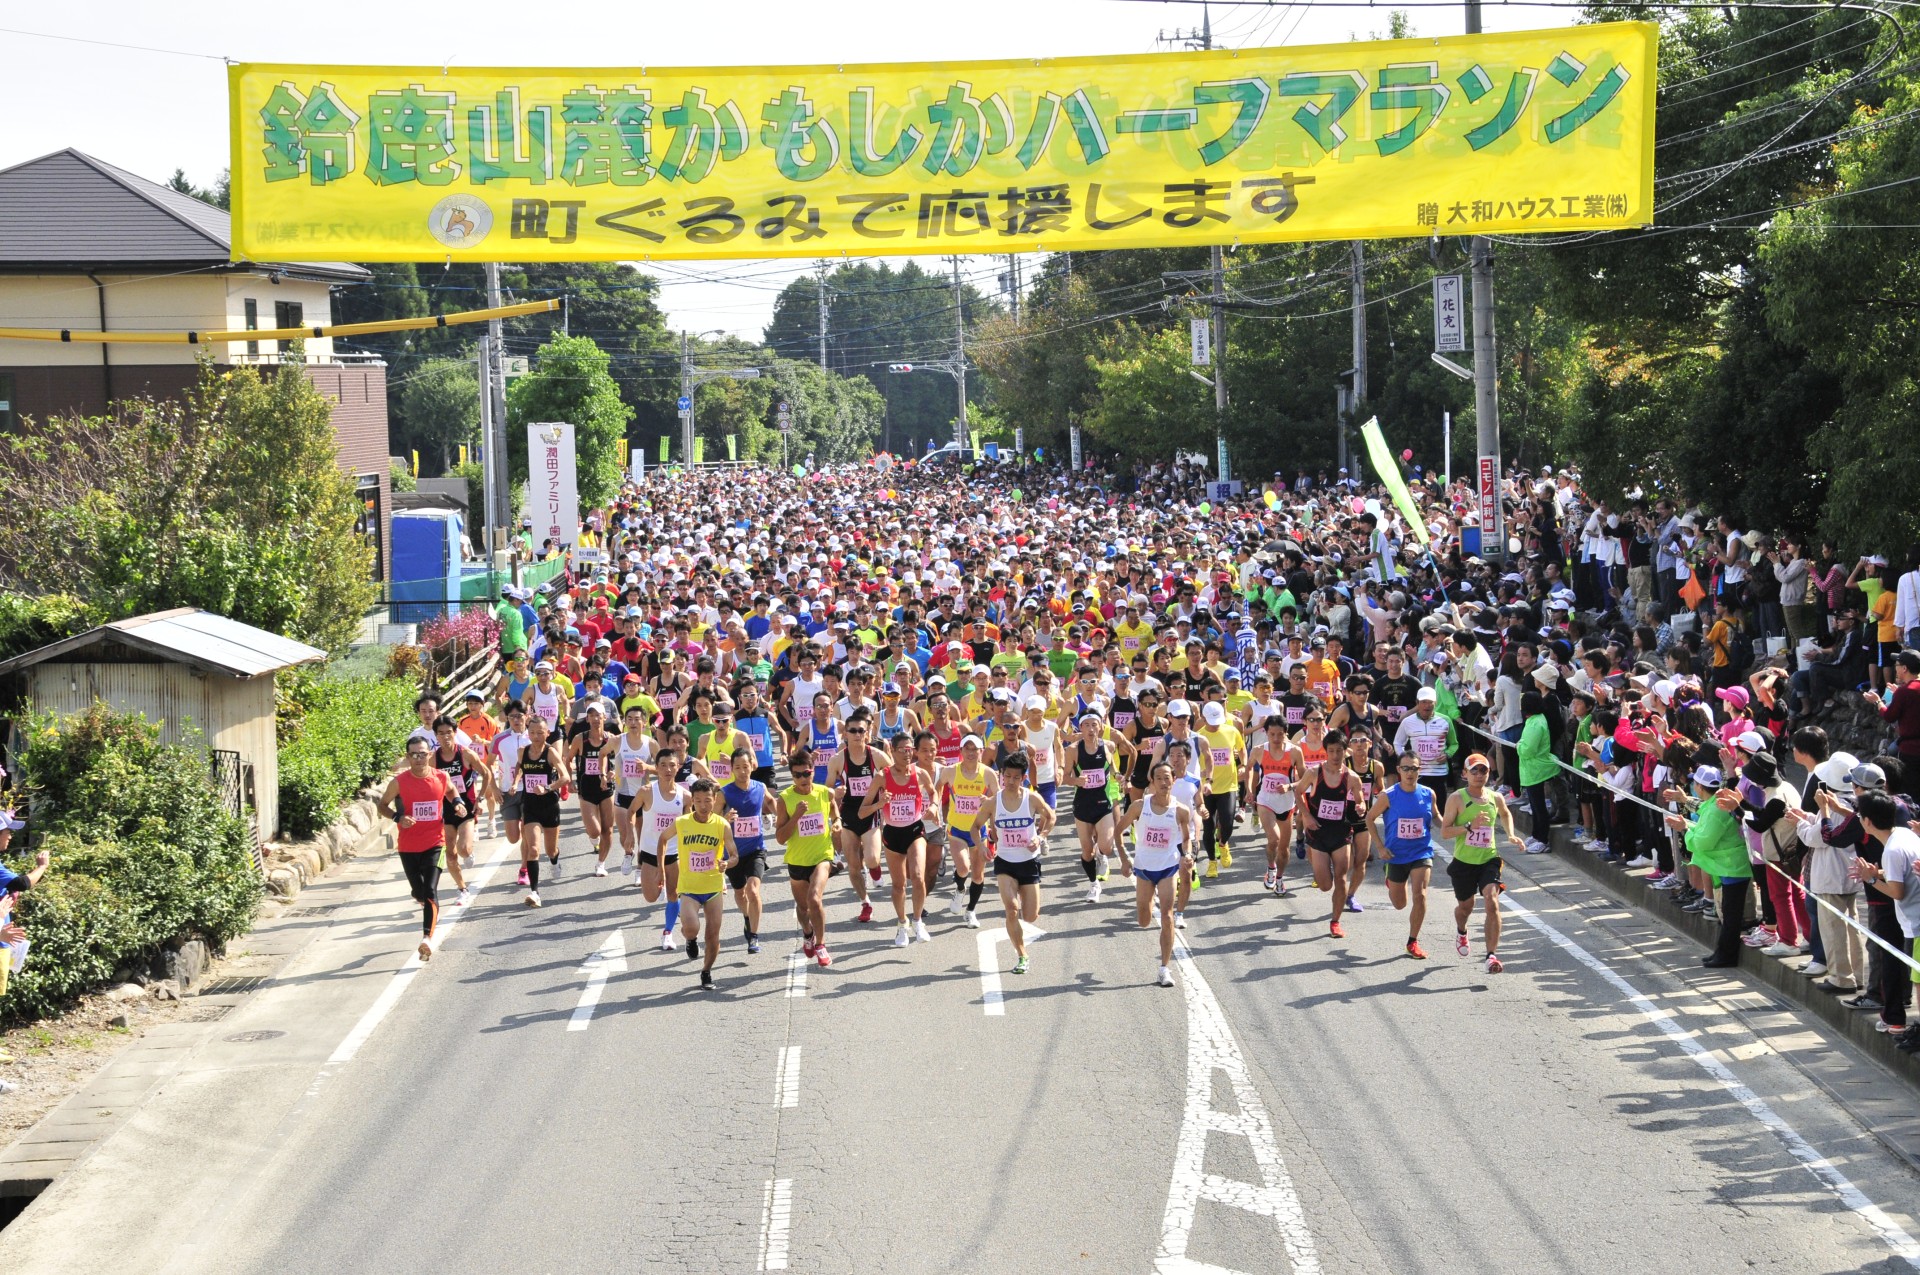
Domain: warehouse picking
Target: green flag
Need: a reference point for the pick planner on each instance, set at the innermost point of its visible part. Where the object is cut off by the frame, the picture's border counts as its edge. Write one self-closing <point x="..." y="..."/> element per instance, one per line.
<point x="664" y="440"/>
<point x="975" y="436"/>
<point x="699" y="450"/>
<point x="1389" y="471"/>
<point x="731" y="452"/>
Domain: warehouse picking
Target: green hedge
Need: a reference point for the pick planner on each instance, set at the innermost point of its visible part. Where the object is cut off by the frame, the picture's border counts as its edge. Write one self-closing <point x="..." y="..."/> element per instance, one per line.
<point x="143" y="854"/>
<point x="352" y="733"/>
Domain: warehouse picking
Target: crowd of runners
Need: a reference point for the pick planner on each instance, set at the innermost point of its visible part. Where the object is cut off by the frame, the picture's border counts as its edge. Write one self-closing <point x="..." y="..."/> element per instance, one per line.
<point x="908" y="682"/>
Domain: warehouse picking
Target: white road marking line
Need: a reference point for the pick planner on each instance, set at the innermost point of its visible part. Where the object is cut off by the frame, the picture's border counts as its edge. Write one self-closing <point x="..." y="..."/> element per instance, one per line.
<point x="797" y="963"/>
<point x="775" y="1217"/>
<point x="786" y="1077"/>
<point x="1210" y="1048"/>
<point x="403" y="977"/>
<point x="1819" y="1166"/>
<point x="993" y="1003"/>
<point x="610" y="959"/>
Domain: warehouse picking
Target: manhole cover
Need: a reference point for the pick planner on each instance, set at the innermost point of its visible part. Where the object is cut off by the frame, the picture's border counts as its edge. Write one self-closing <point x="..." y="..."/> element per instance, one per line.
<point x="325" y="909"/>
<point x="235" y="985"/>
<point x="253" y="1038"/>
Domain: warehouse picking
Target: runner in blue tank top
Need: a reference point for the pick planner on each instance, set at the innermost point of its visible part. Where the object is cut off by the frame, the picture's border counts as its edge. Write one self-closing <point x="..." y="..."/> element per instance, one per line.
<point x="745" y="800"/>
<point x="1404" y="815"/>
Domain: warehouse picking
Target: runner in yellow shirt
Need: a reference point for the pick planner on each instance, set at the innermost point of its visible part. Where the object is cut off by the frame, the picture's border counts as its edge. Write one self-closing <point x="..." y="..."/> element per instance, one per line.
<point x="1221" y="747"/>
<point x="706" y="852"/>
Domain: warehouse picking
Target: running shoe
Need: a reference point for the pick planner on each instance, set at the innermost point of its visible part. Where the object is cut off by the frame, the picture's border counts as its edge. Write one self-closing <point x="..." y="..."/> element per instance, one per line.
<point x="866" y="912"/>
<point x="522" y="878"/>
<point x="1533" y="846"/>
<point x="466" y="860"/>
<point x="1179" y="920"/>
<point x="820" y="956"/>
<point x="693" y="949"/>
<point x="1166" y="977"/>
<point x="1780" y="949"/>
<point x="1093" y="895"/>
<point x="533" y="898"/>
<point x="1640" y="861"/>
<point x="1020" y="966"/>
<point x="626" y="865"/>
<point x="973" y="920"/>
<point x="1493" y="964"/>
<point x="1759" y="936"/>
<point x="901" y="937"/>
<point x="599" y="869"/>
<point x="807" y="946"/>
<point x="1813" y="969"/>
<point x="1414" y="950"/>
<point x="1666" y="882"/>
<point x="874" y="873"/>
<point x="920" y="932"/>
<point x="666" y="941"/>
<point x="1460" y="945"/>
<point x="1698" y="904"/>
<point x="959" y="902"/>
<point x="553" y="867"/>
<point x="1213" y="868"/>
<point x="706" y="978"/>
<point x="463" y="898"/>
<point x="1280" y="890"/>
<point x="1269" y="881"/>
<point x="753" y="946"/>
<point x="1599" y="846"/>
<point x="1334" y="930"/>
<point x="1101" y="867"/>
<point x="1354" y="905"/>
<point x="1226" y="856"/>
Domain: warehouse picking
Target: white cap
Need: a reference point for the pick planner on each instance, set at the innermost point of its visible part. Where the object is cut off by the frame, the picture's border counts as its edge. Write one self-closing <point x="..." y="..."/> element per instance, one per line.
<point x="1426" y="695"/>
<point x="1213" y="714"/>
<point x="1035" y="701"/>
<point x="1180" y="708"/>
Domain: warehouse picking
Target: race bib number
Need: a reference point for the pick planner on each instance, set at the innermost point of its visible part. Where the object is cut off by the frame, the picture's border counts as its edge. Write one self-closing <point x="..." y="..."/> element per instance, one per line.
<point x="1122" y="720"/>
<point x="591" y="765"/>
<point x="1395" y="712"/>
<point x="1157" y="838"/>
<point x="1296" y="715"/>
<point x="746" y="827"/>
<point x="859" y="785"/>
<point x="1410" y="829"/>
<point x="536" y="783"/>
<point x="1221" y="757"/>
<point x="900" y="811"/>
<point x="663" y="822"/>
<point x="548" y="713"/>
<point x="1017" y="838"/>
<point x="966" y="805"/>
<point x="1480" y="838"/>
<point x="631" y="767"/>
<point x="1331" y="810"/>
<point x="721" y="768"/>
<point x="700" y="860"/>
<point x="812" y="825"/>
<point x="803" y="713"/>
<point x="1427" y="748"/>
<point x="759" y="742"/>
<point x="1273" y="783"/>
<point x="1096" y="778"/>
<point x="421" y="810"/>
<point x="668" y="701"/>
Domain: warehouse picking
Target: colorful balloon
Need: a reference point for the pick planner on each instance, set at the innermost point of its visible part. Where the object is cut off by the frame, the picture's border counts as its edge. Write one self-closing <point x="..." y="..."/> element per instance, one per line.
<point x="1273" y="498"/>
<point x="1206" y="508"/>
<point x="1407" y="454"/>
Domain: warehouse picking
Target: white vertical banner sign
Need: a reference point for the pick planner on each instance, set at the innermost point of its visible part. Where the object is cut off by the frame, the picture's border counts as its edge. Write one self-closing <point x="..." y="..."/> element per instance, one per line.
<point x="639" y="455"/>
<point x="1020" y="439"/>
<point x="1449" y="322"/>
<point x="1200" y="331"/>
<point x="1073" y="446"/>
<point x="553" y="490"/>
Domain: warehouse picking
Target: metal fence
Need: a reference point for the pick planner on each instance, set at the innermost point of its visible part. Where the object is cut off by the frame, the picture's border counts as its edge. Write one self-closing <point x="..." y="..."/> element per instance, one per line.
<point x="233" y="779"/>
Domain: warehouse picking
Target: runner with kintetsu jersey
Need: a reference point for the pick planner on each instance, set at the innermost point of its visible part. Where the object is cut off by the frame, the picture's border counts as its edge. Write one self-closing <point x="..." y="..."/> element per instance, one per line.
<point x="706" y="854"/>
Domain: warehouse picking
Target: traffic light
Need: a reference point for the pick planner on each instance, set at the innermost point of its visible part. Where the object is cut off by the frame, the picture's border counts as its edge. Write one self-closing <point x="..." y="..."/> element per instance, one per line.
<point x="899" y="367"/>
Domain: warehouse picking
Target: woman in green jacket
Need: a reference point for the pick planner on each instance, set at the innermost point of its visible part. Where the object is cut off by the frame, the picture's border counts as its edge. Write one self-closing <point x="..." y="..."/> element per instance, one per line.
<point x="1717" y="848"/>
<point x="1535" y="750"/>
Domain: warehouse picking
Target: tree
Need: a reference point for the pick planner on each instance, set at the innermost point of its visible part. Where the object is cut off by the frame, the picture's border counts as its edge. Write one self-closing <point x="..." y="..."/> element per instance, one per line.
<point x="1148" y="404"/>
<point x="220" y="194"/>
<point x="570" y="382"/>
<point x="231" y="500"/>
<point x="439" y="408"/>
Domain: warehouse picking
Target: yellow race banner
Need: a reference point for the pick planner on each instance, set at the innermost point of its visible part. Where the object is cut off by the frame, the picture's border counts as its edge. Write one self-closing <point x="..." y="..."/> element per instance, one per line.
<point x="1516" y="132"/>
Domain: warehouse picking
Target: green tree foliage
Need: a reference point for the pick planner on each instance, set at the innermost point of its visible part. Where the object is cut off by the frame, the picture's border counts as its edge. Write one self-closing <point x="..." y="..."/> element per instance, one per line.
<point x="1146" y="403"/>
<point x="231" y="500"/>
<point x="436" y="409"/>
<point x="570" y="382"/>
<point x="877" y="315"/>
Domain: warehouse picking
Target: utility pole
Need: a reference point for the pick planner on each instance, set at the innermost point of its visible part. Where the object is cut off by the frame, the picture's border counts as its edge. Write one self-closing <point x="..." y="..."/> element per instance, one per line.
<point x="1216" y="273"/>
<point x="959" y="357"/>
<point x="686" y="392"/>
<point x="486" y="442"/>
<point x="1486" y="384"/>
<point x="494" y="386"/>
<point x="1359" y="344"/>
<point x="823" y="316"/>
<point x="1013" y="284"/>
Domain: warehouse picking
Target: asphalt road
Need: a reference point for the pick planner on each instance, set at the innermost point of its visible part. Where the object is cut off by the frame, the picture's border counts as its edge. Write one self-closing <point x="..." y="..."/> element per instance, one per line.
<point x="1296" y="1103"/>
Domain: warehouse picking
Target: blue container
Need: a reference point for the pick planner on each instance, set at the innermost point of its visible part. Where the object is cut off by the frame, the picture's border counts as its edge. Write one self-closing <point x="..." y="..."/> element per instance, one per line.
<point x="426" y="565"/>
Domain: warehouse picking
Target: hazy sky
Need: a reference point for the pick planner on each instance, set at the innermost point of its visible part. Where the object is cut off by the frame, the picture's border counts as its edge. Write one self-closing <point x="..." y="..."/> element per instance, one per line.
<point x="152" y="112"/>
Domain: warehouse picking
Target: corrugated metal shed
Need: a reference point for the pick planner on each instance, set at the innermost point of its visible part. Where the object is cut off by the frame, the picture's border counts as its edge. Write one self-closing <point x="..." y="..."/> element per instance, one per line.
<point x="199" y="639"/>
<point x="69" y="211"/>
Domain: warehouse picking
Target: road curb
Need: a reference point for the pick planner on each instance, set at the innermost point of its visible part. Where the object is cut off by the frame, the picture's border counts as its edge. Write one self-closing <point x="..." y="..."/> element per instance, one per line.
<point x="1633" y="888"/>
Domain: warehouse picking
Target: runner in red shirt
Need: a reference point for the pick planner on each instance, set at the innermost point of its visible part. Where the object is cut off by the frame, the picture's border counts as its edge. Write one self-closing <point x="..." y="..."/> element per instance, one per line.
<point x="413" y="801"/>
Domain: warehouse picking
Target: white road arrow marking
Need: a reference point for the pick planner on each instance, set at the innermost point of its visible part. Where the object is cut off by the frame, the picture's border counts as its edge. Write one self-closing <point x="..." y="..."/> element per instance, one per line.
<point x="610" y="959"/>
<point x="992" y="1001"/>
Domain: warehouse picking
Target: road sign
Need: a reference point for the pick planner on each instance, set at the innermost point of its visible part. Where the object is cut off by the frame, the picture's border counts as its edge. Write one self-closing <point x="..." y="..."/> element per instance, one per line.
<point x="1073" y="447"/>
<point x="1489" y="494"/>
<point x="1019" y="438"/>
<point x="516" y="365"/>
<point x="1224" y="475"/>
<point x="1449" y="321"/>
<point x="686" y="403"/>
<point x="783" y="416"/>
<point x="1200" y="332"/>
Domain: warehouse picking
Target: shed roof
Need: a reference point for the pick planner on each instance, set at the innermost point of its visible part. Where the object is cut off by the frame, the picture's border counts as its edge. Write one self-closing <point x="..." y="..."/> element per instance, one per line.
<point x="69" y="211"/>
<point x="184" y="636"/>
